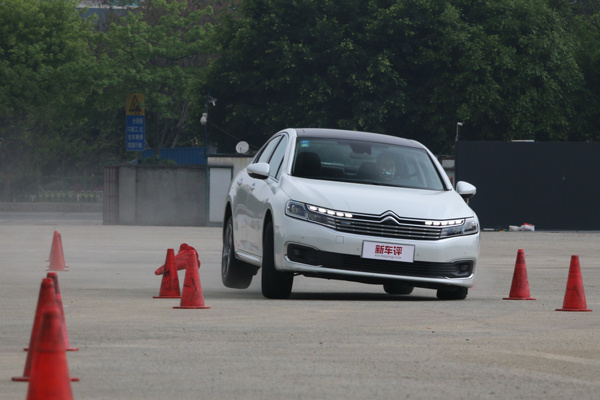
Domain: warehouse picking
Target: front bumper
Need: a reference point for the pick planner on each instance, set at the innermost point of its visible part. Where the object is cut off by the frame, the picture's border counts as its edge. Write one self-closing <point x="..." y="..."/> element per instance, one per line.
<point x="314" y="250"/>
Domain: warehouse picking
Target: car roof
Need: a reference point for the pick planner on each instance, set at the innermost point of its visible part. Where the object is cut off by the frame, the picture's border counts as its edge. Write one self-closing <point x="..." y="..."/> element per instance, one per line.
<point x="355" y="135"/>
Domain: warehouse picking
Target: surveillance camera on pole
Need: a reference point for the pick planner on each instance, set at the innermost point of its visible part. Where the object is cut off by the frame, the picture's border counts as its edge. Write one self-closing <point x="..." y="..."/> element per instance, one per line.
<point x="457" y="125"/>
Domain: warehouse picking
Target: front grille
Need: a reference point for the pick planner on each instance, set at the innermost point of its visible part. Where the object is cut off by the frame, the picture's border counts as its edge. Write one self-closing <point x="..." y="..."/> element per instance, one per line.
<point x="387" y="225"/>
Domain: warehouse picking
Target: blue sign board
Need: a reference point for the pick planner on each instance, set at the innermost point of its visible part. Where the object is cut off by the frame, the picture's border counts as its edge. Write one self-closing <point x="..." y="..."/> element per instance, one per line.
<point x="136" y="133"/>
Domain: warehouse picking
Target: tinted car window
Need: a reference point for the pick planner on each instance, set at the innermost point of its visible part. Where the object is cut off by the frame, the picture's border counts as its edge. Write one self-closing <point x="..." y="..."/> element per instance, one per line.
<point x="267" y="151"/>
<point x="365" y="162"/>
<point x="277" y="158"/>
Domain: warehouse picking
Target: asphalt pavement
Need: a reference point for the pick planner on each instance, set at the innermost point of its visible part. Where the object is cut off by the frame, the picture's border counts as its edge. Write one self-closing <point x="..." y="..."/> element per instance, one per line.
<point x="330" y="340"/>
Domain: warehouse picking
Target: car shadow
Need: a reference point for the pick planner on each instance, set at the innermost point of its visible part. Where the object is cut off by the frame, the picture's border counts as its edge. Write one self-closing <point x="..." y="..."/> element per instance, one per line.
<point x="323" y="296"/>
<point x="356" y="296"/>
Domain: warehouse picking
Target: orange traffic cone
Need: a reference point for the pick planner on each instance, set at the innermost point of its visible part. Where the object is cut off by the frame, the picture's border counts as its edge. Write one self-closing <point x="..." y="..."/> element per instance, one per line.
<point x="520" y="284"/>
<point x="169" y="286"/>
<point x="181" y="258"/>
<point x="574" y="295"/>
<point x="46" y="297"/>
<point x="57" y="257"/>
<point x="192" y="296"/>
<point x="59" y="303"/>
<point x="49" y="372"/>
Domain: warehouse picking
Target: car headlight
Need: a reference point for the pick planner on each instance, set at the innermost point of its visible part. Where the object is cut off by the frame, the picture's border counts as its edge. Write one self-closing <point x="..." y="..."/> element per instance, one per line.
<point x="314" y="214"/>
<point x="296" y="210"/>
<point x="468" y="227"/>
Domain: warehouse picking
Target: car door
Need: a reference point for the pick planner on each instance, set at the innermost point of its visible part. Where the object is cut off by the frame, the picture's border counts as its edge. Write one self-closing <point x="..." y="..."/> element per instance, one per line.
<point x="244" y="187"/>
<point x="262" y="191"/>
<point x="238" y="204"/>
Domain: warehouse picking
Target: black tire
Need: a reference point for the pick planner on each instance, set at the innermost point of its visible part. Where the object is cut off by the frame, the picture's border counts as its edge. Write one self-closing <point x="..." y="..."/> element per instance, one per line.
<point x="457" y="293"/>
<point x="235" y="274"/>
<point x="275" y="284"/>
<point x="398" y="288"/>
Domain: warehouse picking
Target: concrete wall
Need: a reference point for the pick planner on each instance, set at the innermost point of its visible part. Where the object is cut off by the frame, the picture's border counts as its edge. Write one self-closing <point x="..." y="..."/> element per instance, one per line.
<point x="162" y="195"/>
<point x="148" y="194"/>
<point x="221" y="170"/>
<point x="177" y="195"/>
<point x="236" y="162"/>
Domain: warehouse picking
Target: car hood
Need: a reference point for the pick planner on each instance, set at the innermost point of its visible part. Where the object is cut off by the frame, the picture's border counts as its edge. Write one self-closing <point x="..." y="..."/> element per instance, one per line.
<point x="373" y="199"/>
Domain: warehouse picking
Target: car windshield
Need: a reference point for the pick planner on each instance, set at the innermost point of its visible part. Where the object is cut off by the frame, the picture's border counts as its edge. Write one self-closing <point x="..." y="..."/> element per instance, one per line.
<point x="365" y="162"/>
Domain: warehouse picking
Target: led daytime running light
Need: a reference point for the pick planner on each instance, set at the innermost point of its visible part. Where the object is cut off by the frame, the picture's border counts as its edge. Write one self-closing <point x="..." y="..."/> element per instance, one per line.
<point x="326" y="211"/>
<point x="452" y="222"/>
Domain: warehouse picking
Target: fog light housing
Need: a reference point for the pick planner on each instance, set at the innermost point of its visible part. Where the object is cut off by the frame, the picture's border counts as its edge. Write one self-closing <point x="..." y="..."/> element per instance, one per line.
<point x="303" y="254"/>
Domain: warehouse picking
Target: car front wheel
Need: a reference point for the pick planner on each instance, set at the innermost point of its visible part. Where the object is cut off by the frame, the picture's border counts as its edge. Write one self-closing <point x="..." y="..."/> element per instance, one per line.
<point x="234" y="273"/>
<point x="275" y="284"/>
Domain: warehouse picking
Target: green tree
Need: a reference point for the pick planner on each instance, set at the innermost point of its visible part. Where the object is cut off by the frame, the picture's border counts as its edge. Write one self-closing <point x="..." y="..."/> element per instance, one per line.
<point x="523" y="52"/>
<point x="299" y="62"/>
<point x="158" y="50"/>
<point x="44" y="59"/>
<point x="587" y="26"/>
<point x="410" y="68"/>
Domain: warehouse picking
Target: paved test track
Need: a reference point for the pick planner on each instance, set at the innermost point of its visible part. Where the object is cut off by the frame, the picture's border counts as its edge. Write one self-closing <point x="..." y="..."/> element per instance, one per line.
<point x="331" y="340"/>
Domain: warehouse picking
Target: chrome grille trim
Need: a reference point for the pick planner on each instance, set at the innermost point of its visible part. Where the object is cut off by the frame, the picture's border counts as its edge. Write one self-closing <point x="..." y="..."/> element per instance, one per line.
<point x="387" y="225"/>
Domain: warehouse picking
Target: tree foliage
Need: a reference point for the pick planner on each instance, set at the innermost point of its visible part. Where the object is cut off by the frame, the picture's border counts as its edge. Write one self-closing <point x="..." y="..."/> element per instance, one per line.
<point x="157" y="50"/>
<point x="587" y="27"/>
<point x="43" y="53"/>
<point x="506" y="69"/>
<point x="409" y="68"/>
<point x="528" y="58"/>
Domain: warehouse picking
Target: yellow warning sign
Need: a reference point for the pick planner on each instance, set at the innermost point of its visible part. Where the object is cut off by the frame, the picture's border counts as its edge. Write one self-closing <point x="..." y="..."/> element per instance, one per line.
<point x="134" y="104"/>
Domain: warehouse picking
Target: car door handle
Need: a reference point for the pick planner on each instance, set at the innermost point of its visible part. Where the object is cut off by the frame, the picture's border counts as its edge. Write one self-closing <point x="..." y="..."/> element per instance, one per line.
<point x="253" y="186"/>
<point x="240" y="181"/>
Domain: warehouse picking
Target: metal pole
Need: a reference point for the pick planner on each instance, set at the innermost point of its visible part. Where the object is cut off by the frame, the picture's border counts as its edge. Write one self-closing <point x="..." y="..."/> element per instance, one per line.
<point x="457" y="125"/>
<point x="206" y="131"/>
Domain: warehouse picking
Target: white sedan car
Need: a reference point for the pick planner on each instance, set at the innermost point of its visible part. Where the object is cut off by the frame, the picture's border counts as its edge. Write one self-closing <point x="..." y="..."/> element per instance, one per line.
<point x="352" y="206"/>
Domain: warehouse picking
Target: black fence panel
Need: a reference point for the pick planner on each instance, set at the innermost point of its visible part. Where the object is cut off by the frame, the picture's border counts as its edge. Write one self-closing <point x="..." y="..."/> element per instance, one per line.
<point x="552" y="185"/>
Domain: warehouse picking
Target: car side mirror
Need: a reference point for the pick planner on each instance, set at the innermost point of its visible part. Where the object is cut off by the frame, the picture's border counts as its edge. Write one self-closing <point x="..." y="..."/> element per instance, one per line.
<point x="258" y="170"/>
<point x="465" y="190"/>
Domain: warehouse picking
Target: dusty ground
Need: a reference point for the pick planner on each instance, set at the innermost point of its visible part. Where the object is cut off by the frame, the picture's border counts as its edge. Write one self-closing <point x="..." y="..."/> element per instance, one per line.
<point x="332" y="340"/>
